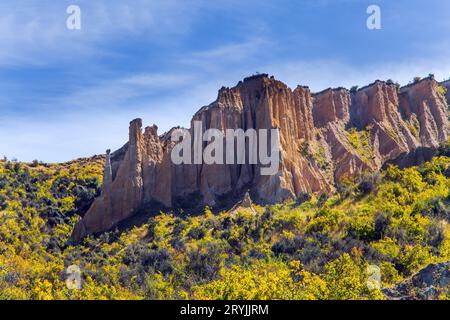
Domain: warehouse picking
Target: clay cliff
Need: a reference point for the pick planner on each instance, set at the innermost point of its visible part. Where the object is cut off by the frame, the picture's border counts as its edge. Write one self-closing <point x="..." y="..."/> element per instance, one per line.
<point x="430" y="283"/>
<point x="324" y="138"/>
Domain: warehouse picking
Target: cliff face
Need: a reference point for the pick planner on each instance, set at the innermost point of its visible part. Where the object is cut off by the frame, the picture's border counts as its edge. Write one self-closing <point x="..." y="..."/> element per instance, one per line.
<point x="324" y="138"/>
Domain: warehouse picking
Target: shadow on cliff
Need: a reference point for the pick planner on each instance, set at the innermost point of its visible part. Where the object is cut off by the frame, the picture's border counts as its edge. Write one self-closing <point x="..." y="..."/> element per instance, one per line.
<point x="414" y="158"/>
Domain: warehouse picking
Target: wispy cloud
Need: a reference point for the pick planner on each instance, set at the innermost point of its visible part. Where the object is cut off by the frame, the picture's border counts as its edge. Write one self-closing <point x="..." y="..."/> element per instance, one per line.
<point x="229" y="52"/>
<point x="31" y="33"/>
<point x="92" y="119"/>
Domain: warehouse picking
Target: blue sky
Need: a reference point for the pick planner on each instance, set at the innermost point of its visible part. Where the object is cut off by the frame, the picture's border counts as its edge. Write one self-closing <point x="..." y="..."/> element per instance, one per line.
<point x="67" y="94"/>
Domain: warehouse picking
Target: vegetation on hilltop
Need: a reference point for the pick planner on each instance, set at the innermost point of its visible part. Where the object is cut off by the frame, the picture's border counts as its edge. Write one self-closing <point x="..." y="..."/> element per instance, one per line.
<point x="316" y="249"/>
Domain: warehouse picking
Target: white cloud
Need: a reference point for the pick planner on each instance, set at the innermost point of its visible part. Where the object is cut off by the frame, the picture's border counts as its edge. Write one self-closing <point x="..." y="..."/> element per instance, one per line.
<point x="160" y="80"/>
<point x="90" y="120"/>
<point x="35" y="32"/>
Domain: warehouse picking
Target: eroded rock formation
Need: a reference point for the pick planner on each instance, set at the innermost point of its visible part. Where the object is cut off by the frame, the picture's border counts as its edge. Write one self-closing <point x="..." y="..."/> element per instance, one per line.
<point x="324" y="138"/>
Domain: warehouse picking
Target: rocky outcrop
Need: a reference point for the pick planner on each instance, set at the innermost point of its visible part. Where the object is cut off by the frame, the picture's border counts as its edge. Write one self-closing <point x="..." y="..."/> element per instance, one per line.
<point x="324" y="138"/>
<point x="381" y="123"/>
<point x="245" y="205"/>
<point x="331" y="105"/>
<point x="429" y="283"/>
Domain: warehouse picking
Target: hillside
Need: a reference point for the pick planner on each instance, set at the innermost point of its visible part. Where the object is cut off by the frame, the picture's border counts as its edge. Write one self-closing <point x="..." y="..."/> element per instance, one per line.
<point x="317" y="247"/>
